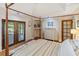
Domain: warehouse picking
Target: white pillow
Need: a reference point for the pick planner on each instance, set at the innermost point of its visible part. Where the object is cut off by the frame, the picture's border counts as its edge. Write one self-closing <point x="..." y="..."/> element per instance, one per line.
<point x="76" y="43"/>
<point x="66" y="49"/>
<point x="72" y="44"/>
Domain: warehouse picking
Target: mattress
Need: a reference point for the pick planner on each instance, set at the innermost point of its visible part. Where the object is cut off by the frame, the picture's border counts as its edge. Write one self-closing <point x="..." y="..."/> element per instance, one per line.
<point x="37" y="48"/>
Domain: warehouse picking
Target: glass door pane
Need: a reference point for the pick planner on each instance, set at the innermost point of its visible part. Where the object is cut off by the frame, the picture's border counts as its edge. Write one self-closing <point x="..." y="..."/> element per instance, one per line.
<point x="16" y="32"/>
<point x="21" y="31"/>
<point x="10" y="32"/>
<point x="66" y="27"/>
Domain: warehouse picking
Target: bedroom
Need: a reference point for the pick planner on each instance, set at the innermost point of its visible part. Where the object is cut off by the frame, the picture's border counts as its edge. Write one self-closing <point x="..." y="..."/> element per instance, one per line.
<point x="35" y="28"/>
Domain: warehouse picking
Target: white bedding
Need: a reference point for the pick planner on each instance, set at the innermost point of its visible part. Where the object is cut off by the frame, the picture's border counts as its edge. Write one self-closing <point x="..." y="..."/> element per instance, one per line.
<point x="66" y="49"/>
<point x="76" y="43"/>
<point x="69" y="48"/>
<point x="48" y="48"/>
<point x="38" y="48"/>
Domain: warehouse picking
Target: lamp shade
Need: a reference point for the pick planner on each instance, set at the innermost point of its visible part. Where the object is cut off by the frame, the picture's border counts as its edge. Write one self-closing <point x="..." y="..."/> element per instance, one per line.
<point x="77" y="31"/>
<point x="73" y="31"/>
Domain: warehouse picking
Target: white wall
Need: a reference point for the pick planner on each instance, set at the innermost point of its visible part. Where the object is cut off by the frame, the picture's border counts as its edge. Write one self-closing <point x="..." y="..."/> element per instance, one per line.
<point x="55" y="33"/>
<point x="51" y="33"/>
<point x="76" y="19"/>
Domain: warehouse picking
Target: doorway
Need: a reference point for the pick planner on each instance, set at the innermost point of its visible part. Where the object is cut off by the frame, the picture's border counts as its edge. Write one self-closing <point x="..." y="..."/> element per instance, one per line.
<point x="16" y="32"/>
<point x="67" y="25"/>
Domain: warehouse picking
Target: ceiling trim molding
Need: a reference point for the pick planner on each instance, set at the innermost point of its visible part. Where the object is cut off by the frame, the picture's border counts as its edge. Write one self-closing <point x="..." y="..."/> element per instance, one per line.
<point x="36" y="16"/>
<point x="62" y="16"/>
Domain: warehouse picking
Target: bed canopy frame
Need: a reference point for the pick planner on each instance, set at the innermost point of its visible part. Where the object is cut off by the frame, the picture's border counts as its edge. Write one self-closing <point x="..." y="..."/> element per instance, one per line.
<point x="7" y="10"/>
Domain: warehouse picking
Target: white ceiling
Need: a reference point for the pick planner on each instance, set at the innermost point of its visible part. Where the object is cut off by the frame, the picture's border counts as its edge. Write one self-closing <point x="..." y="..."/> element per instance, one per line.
<point x="46" y="9"/>
<point x="40" y="9"/>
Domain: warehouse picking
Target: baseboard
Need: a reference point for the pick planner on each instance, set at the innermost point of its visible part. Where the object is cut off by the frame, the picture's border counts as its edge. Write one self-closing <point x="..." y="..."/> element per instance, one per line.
<point x="49" y="39"/>
<point x="36" y="38"/>
<point x="29" y="40"/>
<point x="53" y="40"/>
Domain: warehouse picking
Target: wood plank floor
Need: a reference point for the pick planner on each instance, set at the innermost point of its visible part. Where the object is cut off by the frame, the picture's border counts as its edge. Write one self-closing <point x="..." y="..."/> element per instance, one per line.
<point x="37" y="48"/>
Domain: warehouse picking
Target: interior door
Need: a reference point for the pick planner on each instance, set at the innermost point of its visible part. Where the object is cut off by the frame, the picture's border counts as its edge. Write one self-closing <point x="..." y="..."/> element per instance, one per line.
<point x="66" y="29"/>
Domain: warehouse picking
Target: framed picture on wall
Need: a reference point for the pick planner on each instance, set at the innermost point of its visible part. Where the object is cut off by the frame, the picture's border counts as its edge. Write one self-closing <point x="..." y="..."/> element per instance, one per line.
<point x="77" y="23"/>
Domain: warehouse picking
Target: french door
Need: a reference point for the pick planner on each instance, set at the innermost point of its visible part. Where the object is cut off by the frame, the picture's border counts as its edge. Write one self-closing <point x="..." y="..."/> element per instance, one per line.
<point x="16" y="32"/>
<point x="66" y="29"/>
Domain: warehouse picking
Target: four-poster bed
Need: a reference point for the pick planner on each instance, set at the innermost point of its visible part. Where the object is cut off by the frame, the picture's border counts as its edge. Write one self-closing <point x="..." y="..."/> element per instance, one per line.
<point x="7" y="10"/>
<point x="7" y="48"/>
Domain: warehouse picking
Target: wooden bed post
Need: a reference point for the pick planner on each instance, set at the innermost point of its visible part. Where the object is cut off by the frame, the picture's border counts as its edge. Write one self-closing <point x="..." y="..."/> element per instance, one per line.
<point x="7" y="47"/>
<point x="7" y="41"/>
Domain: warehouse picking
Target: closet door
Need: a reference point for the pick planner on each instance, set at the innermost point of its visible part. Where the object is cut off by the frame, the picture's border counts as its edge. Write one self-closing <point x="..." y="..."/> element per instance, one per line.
<point x="21" y="31"/>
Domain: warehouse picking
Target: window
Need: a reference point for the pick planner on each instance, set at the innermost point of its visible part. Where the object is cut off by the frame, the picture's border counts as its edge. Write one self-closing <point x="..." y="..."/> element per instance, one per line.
<point x="49" y="23"/>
